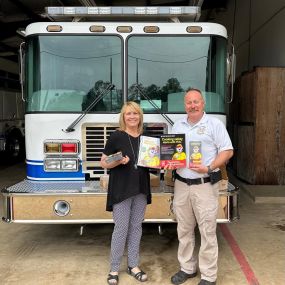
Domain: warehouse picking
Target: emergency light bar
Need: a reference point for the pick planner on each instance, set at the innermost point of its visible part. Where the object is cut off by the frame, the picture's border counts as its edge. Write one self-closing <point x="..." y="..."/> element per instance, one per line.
<point x="192" y="12"/>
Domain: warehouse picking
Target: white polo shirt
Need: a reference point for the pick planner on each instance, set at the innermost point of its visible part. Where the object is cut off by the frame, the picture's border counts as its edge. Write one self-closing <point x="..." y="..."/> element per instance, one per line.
<point x="213" y="136"/>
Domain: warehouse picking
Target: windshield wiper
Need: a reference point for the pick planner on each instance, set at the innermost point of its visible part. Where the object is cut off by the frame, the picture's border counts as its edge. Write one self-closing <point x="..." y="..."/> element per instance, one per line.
<point x="101" y="95"/>
<point x="154" y="105"/>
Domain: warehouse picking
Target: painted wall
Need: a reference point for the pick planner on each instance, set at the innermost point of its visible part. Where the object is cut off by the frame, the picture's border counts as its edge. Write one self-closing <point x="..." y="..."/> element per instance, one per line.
<point x="256" y="28"/>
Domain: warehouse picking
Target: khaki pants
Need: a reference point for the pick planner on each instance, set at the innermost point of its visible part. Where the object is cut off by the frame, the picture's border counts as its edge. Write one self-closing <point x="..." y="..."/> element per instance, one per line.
<point x="197" y="204"/>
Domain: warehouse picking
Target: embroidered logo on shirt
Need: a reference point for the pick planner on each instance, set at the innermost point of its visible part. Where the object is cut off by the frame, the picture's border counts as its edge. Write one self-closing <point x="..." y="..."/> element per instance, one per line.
<point x="201" y="130"/>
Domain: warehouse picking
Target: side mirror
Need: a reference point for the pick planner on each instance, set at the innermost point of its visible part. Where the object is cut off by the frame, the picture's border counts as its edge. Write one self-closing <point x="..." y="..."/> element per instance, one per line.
<point x="231" y="72"/>
<point x="22" y="67"/>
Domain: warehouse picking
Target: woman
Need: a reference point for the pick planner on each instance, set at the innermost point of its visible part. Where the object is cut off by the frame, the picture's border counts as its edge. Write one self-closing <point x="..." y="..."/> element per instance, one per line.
<point x="128" y="192"/>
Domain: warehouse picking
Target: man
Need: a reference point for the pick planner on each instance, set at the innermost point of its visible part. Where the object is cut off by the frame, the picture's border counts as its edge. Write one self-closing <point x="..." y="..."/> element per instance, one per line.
<point x="196" y="191"/>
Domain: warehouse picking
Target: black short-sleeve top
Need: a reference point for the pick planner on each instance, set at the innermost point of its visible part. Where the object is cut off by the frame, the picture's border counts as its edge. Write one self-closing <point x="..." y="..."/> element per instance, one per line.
<point x="126" y="181"/>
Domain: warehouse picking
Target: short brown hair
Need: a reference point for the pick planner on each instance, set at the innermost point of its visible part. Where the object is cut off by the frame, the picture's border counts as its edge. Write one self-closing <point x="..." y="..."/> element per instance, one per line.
<point x="136" y="107"/>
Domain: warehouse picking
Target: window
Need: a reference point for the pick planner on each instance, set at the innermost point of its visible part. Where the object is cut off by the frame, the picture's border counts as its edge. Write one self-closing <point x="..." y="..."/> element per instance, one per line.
<point x="164" y="67"/>
<point x="67" y="73"/>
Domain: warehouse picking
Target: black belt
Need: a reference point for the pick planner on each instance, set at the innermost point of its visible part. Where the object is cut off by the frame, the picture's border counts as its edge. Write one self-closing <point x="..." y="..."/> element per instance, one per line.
<point x="195" y="181"/>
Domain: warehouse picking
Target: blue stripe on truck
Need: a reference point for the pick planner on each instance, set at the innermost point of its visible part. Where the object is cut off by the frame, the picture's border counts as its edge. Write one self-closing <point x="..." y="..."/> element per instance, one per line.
<point x="37" y="172"/>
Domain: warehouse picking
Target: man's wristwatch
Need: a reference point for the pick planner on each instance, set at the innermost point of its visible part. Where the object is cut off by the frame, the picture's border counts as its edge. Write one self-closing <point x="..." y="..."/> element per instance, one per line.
<point x="209" y="169"/>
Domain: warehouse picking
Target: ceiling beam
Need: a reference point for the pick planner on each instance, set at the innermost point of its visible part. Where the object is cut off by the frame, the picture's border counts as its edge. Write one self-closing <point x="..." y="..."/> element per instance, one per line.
<point x="168" y="3"/>
<point x="87" y="3"/>
<point x="9" y="29"/>
<point x="26" y="10"/>
<point x="5" y="47"/>
<point x="198" y="3"/>
<point x="8" y="65"/>
<point x="216" y="4"/>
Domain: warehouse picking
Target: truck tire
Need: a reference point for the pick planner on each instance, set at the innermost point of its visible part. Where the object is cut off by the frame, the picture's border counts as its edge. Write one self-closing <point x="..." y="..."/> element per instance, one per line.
<point x="15" y="146"/>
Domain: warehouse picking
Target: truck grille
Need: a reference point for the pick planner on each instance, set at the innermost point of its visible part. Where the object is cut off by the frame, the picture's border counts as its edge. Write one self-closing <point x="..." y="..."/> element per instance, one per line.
<point x="94" y="138"/>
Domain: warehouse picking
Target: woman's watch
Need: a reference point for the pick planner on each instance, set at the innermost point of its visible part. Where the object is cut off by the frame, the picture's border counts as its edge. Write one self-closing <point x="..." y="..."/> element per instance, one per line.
<point x="209" y="169"/>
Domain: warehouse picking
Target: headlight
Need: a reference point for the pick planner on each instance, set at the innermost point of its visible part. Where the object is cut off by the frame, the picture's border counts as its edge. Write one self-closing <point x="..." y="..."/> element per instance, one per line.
<point x="52" y="165"/>
<point x="70" y="164"/>
<point x="61" y="164"/>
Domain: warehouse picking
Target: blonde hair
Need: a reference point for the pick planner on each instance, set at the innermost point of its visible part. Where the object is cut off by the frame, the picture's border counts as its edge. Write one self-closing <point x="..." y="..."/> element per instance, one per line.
<point x="135" y="107"/>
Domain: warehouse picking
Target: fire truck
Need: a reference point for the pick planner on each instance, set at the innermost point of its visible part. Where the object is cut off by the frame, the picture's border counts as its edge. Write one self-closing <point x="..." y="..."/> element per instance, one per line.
<point x="77" y="71"/>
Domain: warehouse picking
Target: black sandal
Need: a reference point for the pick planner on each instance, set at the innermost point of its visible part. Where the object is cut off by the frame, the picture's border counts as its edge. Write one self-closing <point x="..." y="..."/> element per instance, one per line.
<point x="113" y="279"/>
<point x="139" y="275"/>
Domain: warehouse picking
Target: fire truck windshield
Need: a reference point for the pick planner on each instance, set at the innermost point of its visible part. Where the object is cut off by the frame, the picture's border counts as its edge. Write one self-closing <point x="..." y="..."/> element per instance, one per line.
<point x="66" y="73"/>
<point x="164" y="67"/>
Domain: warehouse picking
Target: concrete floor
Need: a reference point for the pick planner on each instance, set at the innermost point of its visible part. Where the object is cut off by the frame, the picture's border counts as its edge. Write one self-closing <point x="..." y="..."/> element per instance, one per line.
<point x="57" y="254"/>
